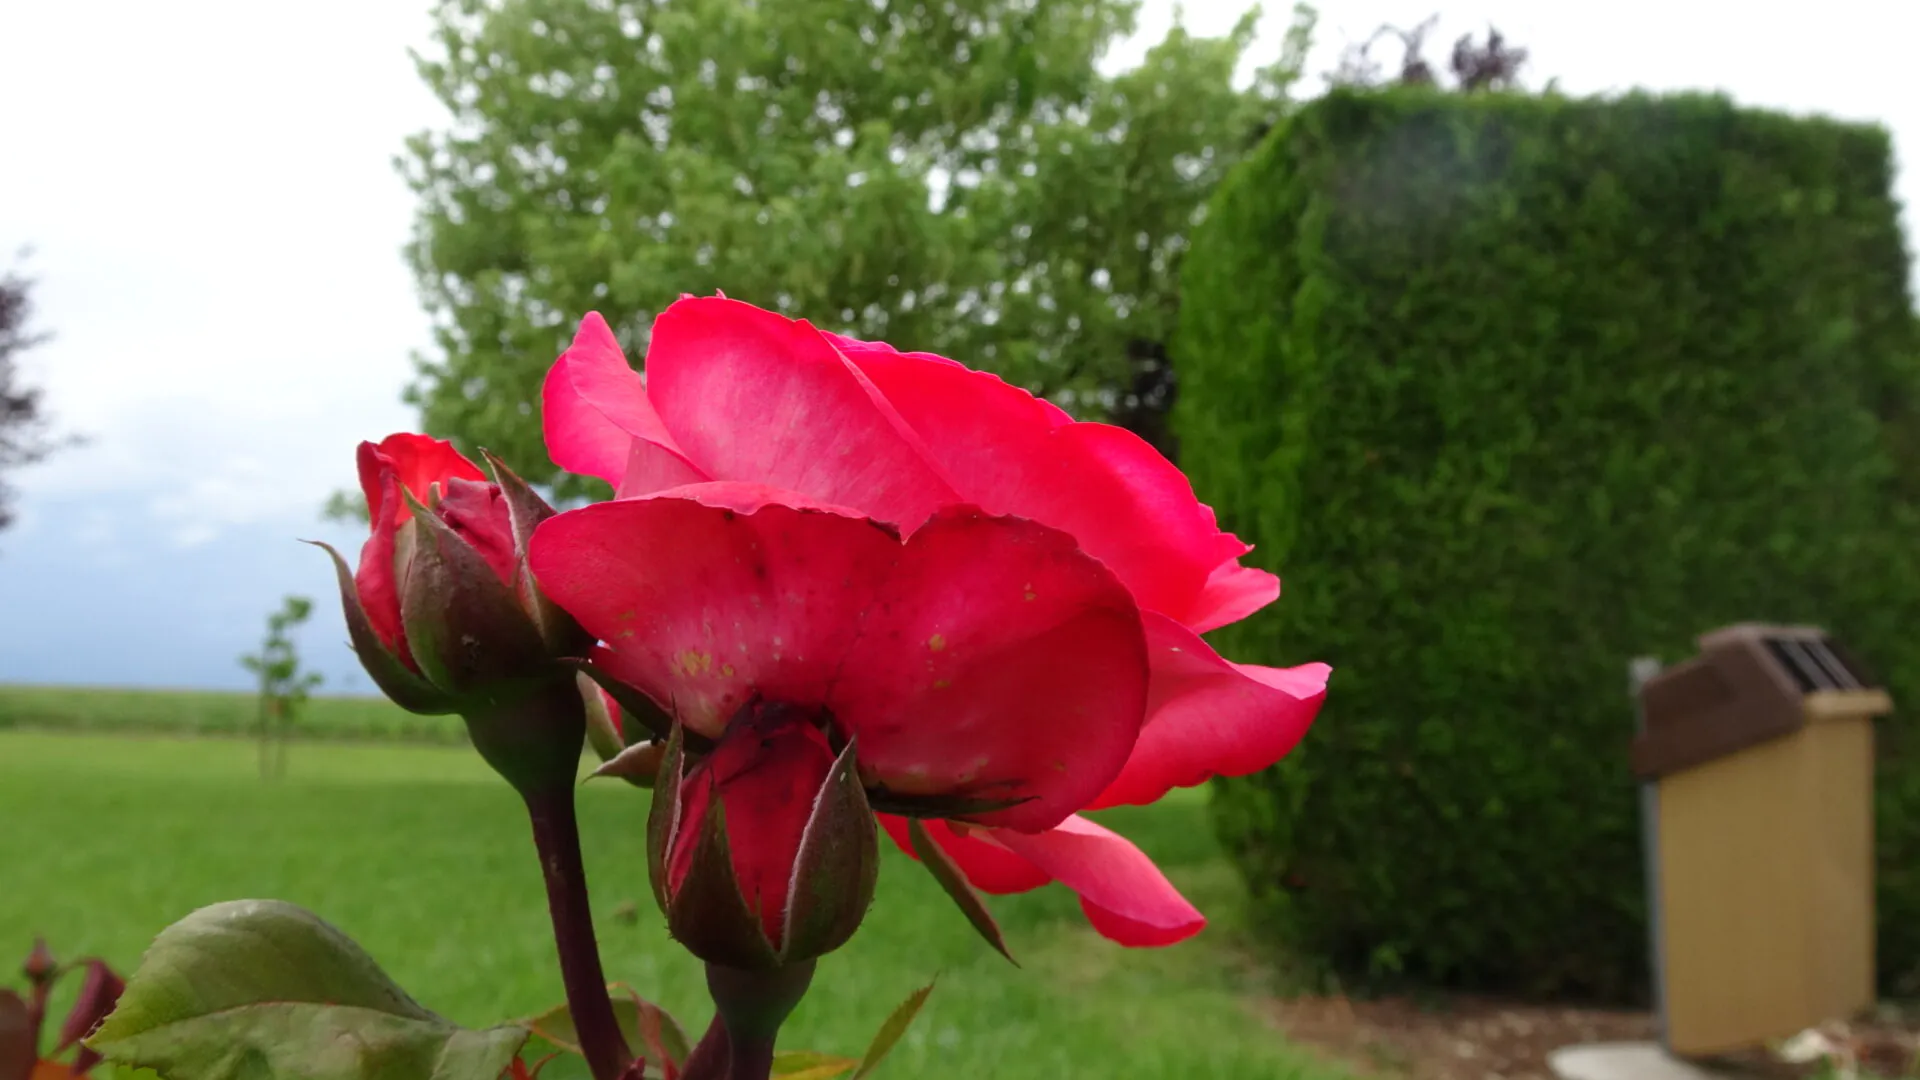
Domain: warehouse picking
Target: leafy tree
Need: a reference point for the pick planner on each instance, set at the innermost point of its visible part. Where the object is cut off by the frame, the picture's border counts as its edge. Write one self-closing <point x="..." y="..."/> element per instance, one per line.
<point x="23" y="424"/>
<point x="283" y="685"/>
<point x="956" y="177"/>
<point x="348" y="507"/>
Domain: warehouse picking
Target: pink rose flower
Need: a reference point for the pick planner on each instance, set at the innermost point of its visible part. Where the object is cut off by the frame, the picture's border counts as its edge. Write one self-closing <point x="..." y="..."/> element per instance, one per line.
<point x="1001" y="606"/>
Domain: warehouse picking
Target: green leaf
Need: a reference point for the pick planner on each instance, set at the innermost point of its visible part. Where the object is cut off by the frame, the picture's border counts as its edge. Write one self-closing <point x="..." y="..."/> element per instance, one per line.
<point x="890" y="1032"/>
<point x="659" y="1032"/>
<point x="810" y="1065"/>
<point x="265" y="990"/>
<point x="941" y="865"/>
<point x="648" y="1028"/>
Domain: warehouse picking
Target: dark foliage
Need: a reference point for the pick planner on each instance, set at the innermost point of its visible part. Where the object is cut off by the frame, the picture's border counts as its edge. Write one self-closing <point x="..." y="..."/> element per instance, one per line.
<point x="1511" y="389"/>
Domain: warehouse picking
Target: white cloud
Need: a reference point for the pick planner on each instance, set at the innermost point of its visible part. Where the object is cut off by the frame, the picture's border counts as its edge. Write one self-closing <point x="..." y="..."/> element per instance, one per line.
<point x="217" y="224"/>
<point x="96" y="529"/>
<point x="1843" y="58"/>
<point x="217" y="232"/>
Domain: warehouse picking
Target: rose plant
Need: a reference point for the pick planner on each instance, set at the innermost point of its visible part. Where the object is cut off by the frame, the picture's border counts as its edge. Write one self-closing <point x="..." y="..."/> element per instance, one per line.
<point x="22" y="1018"/>
<point x="840" y="590"/>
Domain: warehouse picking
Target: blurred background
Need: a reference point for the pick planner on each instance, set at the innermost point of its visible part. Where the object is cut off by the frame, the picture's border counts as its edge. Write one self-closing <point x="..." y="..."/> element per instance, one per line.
<point x="1607" y="340"/>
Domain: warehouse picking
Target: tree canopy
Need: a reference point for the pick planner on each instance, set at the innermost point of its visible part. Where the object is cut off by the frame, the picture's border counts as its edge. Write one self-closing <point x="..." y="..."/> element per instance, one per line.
<point x="954" y="176"/>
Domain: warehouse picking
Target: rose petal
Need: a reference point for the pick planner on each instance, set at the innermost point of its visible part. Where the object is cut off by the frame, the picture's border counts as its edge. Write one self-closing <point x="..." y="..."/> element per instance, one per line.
<point x="1207" y="716"/>
<point x="880" y="351"/>
<point x="599" y="421"/>
<point x="414" y="463"/>
<point x="767" y="773"/>
<point x="1127" y="505"/>
<point x="478" y="513"/>
<point x="1232" y="593"/>
<point x="755" y="397"/>
<point x="708" y="594"/>
<point x="1124" y="895"/>
<point x="1002" y="661"/>
<point x="989" y="866"/>
<point x="986" y="657"/>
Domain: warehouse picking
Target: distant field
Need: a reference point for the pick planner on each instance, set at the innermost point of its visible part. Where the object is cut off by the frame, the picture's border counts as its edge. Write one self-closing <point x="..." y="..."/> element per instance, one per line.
<point x="423" y="856"/>
<point x="210" y="712"/>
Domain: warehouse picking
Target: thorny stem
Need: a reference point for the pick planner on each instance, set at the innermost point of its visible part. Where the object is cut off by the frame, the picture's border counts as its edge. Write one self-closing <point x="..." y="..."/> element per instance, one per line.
<point x="556" y="836"/>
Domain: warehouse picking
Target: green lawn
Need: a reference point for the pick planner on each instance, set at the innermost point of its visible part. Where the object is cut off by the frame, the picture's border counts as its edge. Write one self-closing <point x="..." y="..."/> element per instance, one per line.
<point x="210" y="712"/>
<point x="421" y="854"/>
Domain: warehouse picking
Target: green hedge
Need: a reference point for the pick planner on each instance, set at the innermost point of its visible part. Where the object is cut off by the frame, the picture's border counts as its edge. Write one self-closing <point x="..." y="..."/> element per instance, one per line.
<point x="1509" y="390"/>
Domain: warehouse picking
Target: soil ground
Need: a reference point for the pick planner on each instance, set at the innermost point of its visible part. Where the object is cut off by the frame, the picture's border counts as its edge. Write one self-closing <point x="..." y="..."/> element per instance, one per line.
<point x="1471" y="1038"/>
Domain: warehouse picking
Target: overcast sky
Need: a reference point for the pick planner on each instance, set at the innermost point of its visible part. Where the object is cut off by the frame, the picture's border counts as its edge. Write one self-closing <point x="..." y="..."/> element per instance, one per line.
<point x="216" y="224"/>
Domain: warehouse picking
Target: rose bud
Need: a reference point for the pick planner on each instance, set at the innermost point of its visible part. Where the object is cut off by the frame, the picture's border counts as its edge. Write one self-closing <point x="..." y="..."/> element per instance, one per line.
<point x="763" y="855"/>
<point x="40" y="966"/>
<point x="445" y="616"/>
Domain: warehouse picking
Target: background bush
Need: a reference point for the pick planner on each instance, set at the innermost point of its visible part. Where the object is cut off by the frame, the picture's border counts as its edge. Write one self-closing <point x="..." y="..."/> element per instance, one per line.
<point x="1511" y="389"/>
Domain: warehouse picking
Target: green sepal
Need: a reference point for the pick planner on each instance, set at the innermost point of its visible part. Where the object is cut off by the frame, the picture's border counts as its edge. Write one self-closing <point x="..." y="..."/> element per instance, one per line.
<point x="637" y="707"/>
<point x="708" y="913"/>
<point x="835" y="868"/>
<point x="603" y="735"/>
<point x="950" y="807"/>
<point x="405" y="688"/>
<point x="464" y="625"/>
<point x="638" y="764"/>
<point x="525" y="511"/>
<point x="944" y="871"/>
<point x="663" y="818"/>
<point x="252" y="989"/>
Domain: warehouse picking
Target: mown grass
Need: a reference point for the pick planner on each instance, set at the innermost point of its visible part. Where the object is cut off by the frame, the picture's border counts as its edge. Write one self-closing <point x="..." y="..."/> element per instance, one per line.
<point x="211" y="712"/>
<point x="423" y="856"/>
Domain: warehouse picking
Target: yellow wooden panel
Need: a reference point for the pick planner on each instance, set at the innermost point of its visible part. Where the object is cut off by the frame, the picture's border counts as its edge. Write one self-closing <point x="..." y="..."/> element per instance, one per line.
<point x="1734" y="902"/>
<point x="1765" y="882"/>
<point x="1842" y="868"/>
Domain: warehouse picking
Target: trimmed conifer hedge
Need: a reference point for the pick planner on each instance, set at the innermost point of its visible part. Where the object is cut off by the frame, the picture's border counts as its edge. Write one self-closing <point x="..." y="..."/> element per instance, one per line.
<point x="1511" y="389"/>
